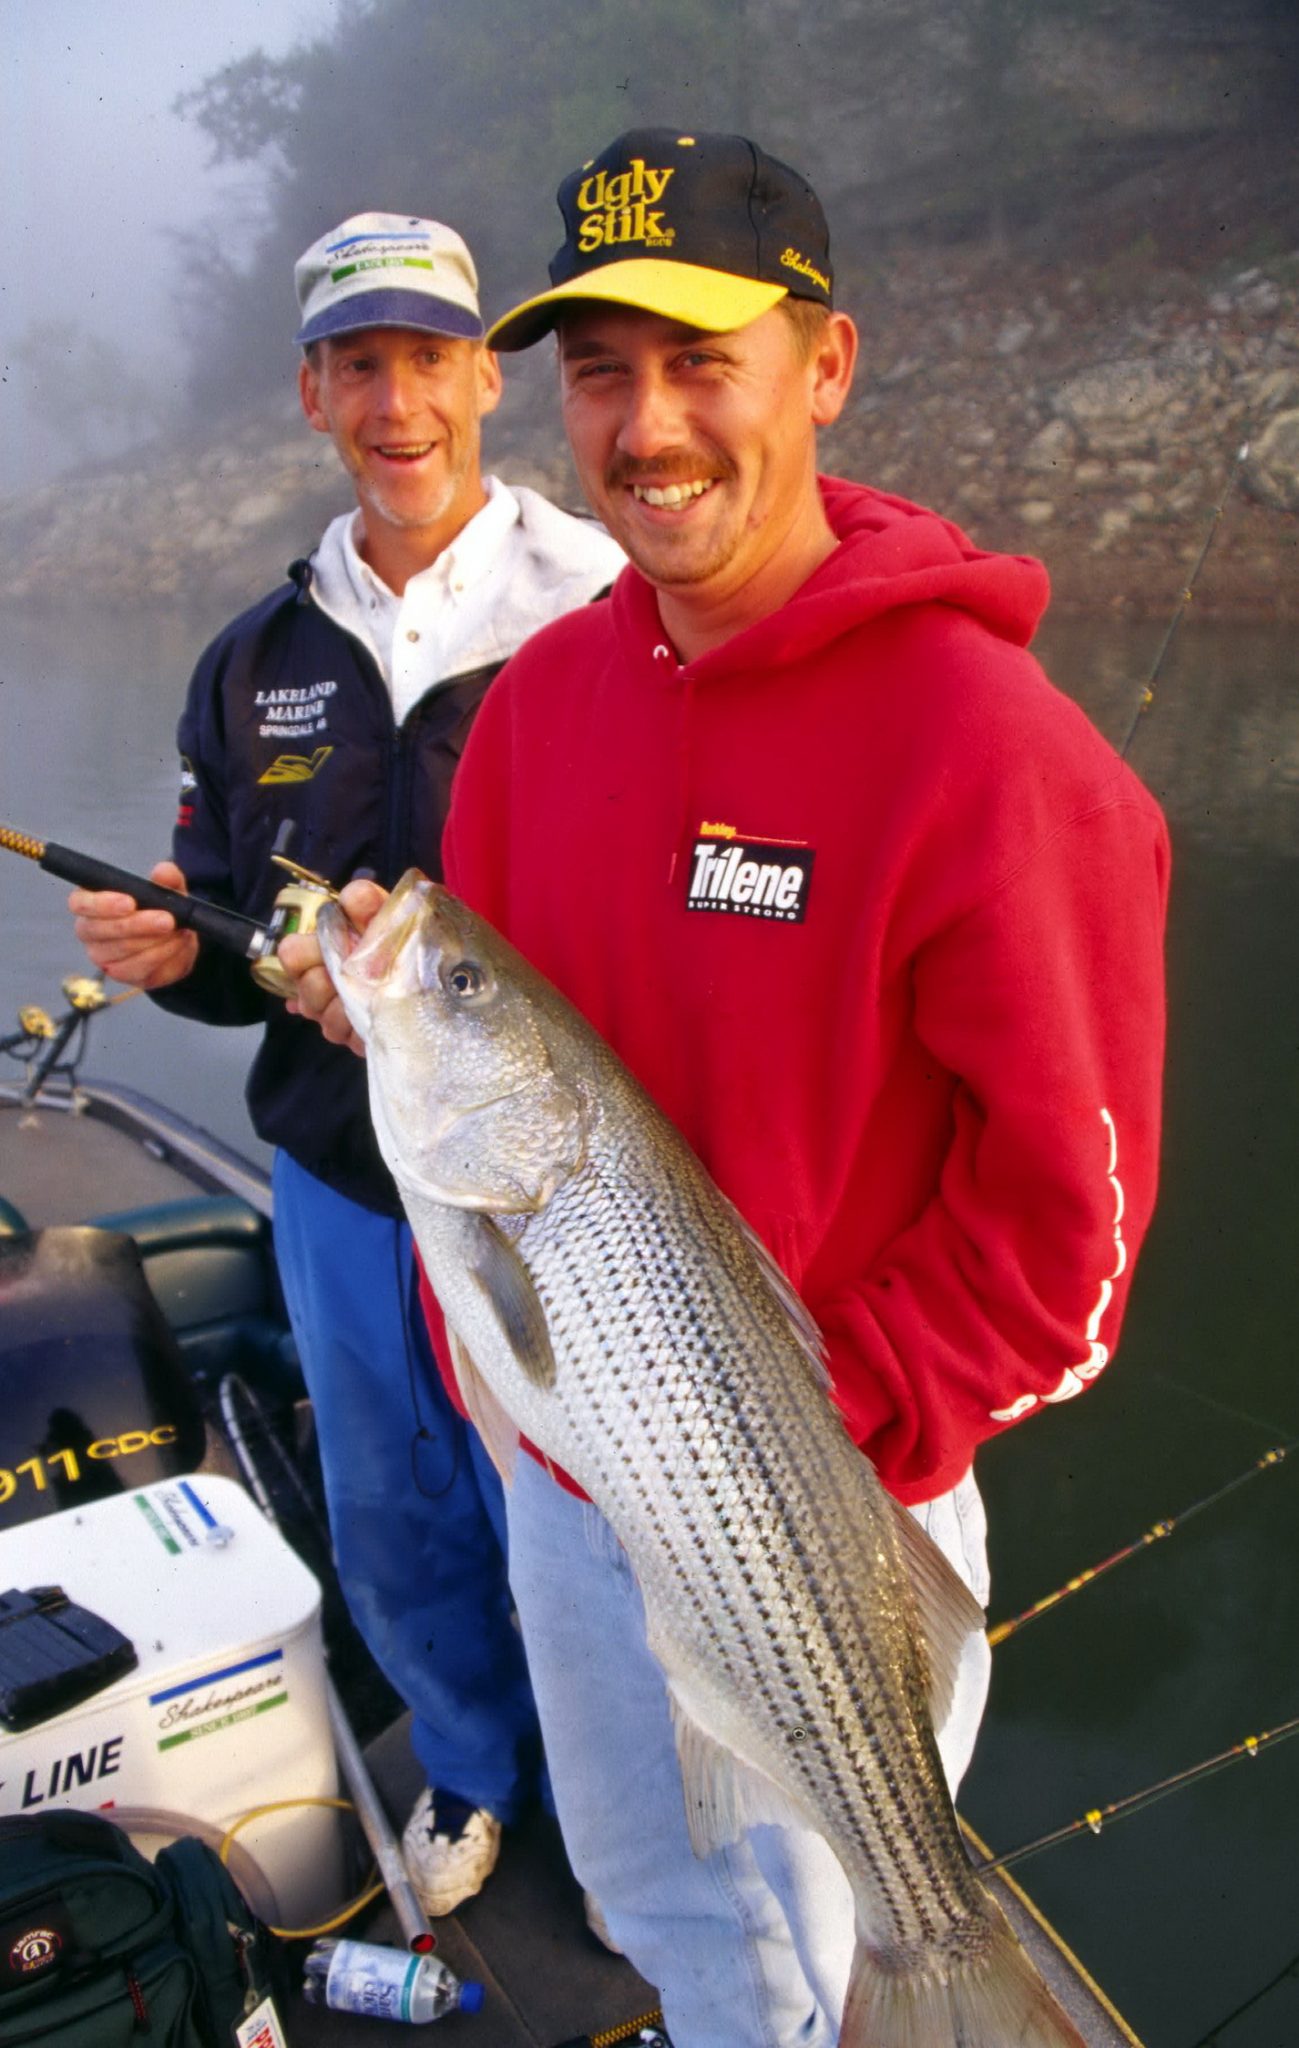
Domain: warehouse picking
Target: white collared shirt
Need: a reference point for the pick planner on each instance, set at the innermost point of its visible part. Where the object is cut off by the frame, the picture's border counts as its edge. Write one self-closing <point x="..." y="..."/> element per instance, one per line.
<point x="517" y="564"/>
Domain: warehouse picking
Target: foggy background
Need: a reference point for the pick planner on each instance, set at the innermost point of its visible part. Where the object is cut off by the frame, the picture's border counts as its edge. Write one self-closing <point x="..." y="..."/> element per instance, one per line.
<point x="162" y="164"/>
<point x="100" y="175"/>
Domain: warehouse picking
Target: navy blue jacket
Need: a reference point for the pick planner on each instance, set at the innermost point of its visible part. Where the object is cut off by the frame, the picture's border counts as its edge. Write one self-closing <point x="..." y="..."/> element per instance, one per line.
<point x="288" y="717"/>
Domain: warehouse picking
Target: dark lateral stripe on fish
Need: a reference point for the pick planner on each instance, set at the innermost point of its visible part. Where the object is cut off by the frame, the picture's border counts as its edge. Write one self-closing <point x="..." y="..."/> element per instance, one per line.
<point x="682" y="1298"/>
<point x="883" y="1795"/>
<point x="881" y="1792"/>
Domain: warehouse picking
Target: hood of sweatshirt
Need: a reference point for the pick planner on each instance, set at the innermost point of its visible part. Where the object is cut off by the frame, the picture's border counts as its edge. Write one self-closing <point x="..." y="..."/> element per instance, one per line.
<point x="891" y="553"/>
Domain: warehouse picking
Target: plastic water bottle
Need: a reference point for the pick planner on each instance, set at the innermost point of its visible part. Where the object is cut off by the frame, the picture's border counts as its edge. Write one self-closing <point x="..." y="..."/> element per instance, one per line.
<point x="385" y="1983"/>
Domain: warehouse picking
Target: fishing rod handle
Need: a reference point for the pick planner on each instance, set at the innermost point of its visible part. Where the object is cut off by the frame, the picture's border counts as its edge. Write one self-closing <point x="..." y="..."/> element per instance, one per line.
<point x="222" y="927"/>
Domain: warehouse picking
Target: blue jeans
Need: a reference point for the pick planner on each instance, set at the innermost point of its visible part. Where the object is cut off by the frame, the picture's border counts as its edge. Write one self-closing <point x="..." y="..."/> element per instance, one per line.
<point x="751" y="1947"/>
<point x="415" y="1506"/>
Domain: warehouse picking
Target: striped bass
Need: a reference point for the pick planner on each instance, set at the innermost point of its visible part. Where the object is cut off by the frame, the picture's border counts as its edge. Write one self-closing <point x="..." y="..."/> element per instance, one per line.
<point x="607" y="1302"/>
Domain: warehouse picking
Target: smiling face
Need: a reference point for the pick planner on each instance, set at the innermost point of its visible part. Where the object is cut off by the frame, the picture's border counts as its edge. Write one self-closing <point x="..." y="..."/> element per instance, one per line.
<point x="403" y="409"/>
<point x="698" y="451"/>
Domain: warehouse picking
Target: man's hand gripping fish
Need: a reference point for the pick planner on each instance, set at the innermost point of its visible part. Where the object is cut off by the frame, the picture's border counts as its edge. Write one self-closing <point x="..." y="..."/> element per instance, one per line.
<point x="605" y="1300"/>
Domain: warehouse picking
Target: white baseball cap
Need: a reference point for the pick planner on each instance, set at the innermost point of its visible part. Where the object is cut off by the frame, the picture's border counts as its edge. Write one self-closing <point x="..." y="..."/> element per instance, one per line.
<point x="387" y="270"/>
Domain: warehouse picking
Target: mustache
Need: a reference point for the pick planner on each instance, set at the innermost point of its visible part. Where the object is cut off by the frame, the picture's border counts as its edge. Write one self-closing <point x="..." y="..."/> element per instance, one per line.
<point x="674" y="466"/>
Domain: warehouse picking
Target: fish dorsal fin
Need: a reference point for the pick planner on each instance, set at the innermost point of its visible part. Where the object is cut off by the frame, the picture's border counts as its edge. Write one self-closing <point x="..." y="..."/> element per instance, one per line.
<point x="723" y="1796"/>
<point x="507" y="1284"/>
<point x="947" y="1611"/>
<point x="499" y="1434"/>
<point x="805" y="1329"/>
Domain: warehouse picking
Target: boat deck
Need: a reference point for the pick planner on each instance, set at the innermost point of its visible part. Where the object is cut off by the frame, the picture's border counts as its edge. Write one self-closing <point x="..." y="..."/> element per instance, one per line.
<point x="547" y="1979"/>
<point x="524" y="1938"/>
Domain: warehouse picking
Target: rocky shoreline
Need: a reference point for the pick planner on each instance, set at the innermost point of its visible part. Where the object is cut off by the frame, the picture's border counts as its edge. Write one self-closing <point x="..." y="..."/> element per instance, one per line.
<point x="1097" y="431"/>
<point x="1094" y="421"/>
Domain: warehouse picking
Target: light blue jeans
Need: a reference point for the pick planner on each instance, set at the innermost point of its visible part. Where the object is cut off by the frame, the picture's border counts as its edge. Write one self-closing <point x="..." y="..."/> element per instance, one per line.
<point x="751" y="1947"/>
<point x="415" y="1508"/>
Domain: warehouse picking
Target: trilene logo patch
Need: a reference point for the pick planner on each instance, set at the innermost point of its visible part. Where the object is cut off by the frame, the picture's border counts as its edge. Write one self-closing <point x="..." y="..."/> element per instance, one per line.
<point x="745" y="876"/>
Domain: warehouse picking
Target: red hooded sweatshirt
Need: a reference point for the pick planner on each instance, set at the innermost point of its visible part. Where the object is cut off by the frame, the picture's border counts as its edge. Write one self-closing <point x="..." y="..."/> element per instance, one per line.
<point x="875" y="915"/>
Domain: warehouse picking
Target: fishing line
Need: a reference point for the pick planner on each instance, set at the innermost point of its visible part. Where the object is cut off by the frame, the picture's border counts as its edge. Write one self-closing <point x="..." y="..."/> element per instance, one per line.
<point x="1269" y="1425"/>
<point x="1147" y="696"/>
<point x="1291" y="1969"/>
<point x="1267" y="1463"/>
<point x="1093" y="1821"/>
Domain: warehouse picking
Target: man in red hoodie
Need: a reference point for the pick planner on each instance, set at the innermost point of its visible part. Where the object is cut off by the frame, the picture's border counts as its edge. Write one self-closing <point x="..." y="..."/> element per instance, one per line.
<point x="873" y="913"/>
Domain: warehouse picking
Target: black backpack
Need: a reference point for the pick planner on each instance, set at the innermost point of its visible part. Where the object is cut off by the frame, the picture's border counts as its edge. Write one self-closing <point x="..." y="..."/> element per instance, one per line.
<point x="99" y="1947"/>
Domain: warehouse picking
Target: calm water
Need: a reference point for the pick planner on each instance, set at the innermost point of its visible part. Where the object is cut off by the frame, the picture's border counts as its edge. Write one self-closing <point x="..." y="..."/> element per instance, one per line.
<point x="1187" y="1910"/>
<point x="88" y="758"/>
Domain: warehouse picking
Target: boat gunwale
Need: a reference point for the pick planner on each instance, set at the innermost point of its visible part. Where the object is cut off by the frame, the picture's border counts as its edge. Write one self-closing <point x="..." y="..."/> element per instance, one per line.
<point x="215" y="1166"/>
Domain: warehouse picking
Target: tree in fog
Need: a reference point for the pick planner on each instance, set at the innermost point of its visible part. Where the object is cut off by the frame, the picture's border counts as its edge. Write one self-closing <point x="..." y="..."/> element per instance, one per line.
<point x="84" y="389"/>
<point x="468" y="112"/>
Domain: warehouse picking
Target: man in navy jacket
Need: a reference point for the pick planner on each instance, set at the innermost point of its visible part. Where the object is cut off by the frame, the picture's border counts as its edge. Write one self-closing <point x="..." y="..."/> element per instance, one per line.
<point x="342" y="702"/>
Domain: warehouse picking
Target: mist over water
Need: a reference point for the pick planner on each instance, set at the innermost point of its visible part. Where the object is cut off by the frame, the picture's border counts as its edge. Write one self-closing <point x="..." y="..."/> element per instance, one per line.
<point x="101" y="177"/>
<point x="89" y="761"/>
<point x="162" y="165"/>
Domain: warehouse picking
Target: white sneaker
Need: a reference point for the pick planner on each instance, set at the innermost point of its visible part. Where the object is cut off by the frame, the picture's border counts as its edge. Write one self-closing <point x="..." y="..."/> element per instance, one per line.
<point x="449" y="1863"/>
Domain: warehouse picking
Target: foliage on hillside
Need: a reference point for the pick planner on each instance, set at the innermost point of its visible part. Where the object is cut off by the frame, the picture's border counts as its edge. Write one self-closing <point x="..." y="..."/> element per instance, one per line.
<point x="1028" y="125"/>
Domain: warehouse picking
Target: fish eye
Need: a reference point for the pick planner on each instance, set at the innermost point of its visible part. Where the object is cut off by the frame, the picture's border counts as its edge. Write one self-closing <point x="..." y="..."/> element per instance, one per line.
<point x="465" y="979"/>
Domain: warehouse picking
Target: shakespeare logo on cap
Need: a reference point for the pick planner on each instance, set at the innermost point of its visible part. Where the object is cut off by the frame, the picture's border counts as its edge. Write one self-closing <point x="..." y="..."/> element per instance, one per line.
<point x="356" y="253"/>
<point x="794" y="259"/>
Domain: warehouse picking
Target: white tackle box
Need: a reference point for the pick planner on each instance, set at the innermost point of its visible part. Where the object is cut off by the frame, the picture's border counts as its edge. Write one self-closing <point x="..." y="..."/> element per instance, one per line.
<point x="227" y="1708"/>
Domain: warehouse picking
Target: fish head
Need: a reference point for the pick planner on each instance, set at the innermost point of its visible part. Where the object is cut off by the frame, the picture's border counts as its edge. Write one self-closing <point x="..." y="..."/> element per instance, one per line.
<point x="473" y="1101"/>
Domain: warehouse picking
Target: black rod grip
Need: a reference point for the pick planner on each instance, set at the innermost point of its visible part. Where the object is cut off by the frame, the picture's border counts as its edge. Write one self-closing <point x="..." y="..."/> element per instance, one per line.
<point x="226" y="928"/>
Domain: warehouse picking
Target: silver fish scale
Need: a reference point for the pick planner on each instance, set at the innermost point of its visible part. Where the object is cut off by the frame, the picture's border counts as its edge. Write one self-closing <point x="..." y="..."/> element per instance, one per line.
<point x="687" y="1408"/>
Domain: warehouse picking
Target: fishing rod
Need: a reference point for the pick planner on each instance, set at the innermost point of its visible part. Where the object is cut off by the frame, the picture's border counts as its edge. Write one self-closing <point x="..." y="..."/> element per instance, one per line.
<point x="1147" y="696"/>
<point x="295" y="908"/>
<point x="1267" y="1463"/>
<point x="1093" y="1821"/>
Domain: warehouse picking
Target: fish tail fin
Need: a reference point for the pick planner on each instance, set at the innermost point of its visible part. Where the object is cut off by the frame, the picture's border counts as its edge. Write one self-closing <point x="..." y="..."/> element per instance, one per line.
<point x="986" y="2001"/>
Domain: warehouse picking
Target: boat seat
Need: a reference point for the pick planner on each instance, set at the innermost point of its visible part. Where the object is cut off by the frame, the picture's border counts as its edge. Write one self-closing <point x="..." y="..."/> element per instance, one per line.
<point x="210" y="1264"/>
<point x="94" y="1394"/>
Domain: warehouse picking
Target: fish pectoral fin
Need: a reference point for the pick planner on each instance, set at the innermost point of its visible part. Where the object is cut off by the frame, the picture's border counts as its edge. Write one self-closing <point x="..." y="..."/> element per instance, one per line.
<point x="947" y="1611"/>
<point x="507" y="1283"/>
<point x="724" y="1796"/>
<point x="499" y="1433"/>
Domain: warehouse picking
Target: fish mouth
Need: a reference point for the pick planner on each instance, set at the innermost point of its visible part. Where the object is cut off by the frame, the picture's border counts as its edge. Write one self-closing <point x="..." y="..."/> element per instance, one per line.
<point x="370" y="957"/>
<point x="386" y="955"/>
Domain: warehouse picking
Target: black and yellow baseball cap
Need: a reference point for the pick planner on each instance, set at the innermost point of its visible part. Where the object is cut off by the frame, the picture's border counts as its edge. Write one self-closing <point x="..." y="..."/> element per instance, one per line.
<point x="705" y="229"/>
